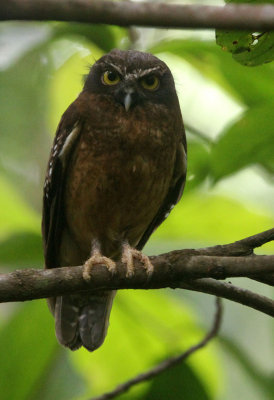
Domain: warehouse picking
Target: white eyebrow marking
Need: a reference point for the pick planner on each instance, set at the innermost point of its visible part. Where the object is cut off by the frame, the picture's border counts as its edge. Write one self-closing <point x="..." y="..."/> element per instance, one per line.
<point x="140" y="73"/>
<point x="118" y="69"/>
<point x="148" y="71"/>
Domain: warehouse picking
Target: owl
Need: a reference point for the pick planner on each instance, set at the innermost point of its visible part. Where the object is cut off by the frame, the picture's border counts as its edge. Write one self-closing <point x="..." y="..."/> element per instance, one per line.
<point x="117" y="167"/>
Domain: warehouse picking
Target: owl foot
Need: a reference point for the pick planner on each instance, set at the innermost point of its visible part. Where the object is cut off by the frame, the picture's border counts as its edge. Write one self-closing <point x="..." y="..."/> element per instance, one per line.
<point x="128" y="256"/>
<point x="95" y="259"/>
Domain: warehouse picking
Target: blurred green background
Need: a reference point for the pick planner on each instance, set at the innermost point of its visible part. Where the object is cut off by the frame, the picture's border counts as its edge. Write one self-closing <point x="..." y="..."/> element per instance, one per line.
<point x="228" y="112"/>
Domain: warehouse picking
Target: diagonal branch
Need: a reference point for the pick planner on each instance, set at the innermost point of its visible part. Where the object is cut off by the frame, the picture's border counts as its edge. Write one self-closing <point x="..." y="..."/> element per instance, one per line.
<point x="170" y="362"/>
<point x="233" y="16"/>
<point x="231" y="292"/>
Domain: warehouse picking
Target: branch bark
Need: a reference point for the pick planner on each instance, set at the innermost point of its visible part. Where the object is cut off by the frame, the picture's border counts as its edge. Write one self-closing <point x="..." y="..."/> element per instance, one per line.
<point x="232" y="16"/>
<point x="192" y="269"/>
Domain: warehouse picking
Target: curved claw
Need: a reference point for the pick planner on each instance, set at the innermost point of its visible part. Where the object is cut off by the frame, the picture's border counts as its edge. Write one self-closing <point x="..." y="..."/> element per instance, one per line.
<point x="129" y="254"/>
<point x="95" y="259"/>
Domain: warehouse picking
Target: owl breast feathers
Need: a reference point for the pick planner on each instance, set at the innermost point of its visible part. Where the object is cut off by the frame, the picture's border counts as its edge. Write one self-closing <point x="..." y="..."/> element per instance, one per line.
<point x="117" y="167"/>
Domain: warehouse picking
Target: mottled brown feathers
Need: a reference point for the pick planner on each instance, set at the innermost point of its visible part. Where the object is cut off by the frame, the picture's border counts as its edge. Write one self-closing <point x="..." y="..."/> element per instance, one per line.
<point x="113" y="176"/>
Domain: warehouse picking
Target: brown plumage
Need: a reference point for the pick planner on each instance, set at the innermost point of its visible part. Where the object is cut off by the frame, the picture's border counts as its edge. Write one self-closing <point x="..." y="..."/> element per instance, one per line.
<point x="117" y="168"/>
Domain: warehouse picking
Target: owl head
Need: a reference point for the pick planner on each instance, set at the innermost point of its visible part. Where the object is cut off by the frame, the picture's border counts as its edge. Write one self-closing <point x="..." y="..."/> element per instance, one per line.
<point x="132" y="78"/>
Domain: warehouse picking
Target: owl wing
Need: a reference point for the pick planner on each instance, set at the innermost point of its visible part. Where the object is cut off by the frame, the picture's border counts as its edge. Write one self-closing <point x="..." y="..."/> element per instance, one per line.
<point x="53" y="206"/>
<point x="174" y="194"/>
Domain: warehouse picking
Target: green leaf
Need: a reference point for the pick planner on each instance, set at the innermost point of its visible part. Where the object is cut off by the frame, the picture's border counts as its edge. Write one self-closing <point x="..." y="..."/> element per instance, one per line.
<point x="234" y="41"/>
<point x="247" y="48"/>
<point x="21" y="250"/>
<point x="249" y="141"/>
<point x="198" y="163"/>
<point x="27" y="347"/>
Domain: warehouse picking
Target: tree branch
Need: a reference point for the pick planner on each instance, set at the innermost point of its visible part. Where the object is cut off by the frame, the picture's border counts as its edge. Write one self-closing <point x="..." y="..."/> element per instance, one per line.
<point x="178" y="269"/>
<point x="232" y="16"/>
<point x="231" y="292"/>
<point x="170" y="362"/>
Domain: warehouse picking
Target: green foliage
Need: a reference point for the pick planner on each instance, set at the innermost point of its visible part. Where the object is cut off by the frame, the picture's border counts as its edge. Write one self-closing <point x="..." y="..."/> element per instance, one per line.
<point x="246" y="143"/>
<point x="264" y="381"/>
<point x="20" y="250"/>
<point x="27" y="346"/>
<point x="198" y="165"/>
<point x="38" y="81"/>
<point x="171" y="382"/>
<point x="247" y="48"/>
<point x="249" y="140"/>
<point x="143" y="325"/>
<point x="15" y="214"/>
<point x="102" y="36"/>
<point x="249" y="86"/>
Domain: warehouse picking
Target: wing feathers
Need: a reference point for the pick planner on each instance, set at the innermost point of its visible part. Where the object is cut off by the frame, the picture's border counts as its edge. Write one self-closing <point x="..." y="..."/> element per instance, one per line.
<point x="67" y="134"/>
<point x="174" y="194"/>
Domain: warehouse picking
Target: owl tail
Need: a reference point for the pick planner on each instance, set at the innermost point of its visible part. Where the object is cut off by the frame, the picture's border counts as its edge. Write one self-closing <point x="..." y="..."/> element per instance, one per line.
<point x="82" y="320"/>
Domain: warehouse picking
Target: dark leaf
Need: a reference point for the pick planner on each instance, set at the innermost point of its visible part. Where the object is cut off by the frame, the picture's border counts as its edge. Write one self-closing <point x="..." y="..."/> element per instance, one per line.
<point x="179" y="382"/>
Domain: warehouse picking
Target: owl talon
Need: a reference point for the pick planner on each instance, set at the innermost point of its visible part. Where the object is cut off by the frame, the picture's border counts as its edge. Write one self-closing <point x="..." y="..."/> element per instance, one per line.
<point x="96" y="259"/>
<point x="127" y="258"/>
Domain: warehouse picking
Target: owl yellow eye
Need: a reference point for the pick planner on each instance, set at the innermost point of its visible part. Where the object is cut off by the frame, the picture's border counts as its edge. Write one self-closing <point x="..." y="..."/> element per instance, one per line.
<point x="110" y="78"/>
<point x="150" y="82"/>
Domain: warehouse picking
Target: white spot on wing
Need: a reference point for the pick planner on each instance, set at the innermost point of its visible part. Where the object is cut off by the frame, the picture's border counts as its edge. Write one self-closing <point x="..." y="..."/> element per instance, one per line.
<point x="69" y="142"/>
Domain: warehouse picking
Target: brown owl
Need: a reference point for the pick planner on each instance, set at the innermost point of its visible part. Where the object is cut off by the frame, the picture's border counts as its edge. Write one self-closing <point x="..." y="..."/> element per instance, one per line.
<point x="117" y="167"/>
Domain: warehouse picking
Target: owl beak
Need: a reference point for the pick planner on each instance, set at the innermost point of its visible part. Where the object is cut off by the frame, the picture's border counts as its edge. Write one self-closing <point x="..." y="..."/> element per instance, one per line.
<point x="127" y="101"/>
<point x="126" y="96"/>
